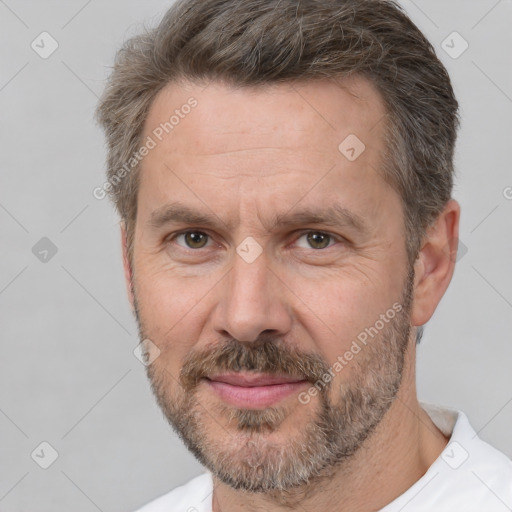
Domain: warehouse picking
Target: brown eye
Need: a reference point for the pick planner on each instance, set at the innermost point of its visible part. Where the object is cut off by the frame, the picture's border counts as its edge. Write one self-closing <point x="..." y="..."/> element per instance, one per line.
<point x="318" y="240"/>
<point x="194" y="239"/>
<point x="315" y="240"/>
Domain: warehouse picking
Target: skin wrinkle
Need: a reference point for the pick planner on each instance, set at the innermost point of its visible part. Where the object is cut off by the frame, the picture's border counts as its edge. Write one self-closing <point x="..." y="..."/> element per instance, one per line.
<point x="246" y="150"/>
<point x="332" y="217"/>
<point x="280" y="310"/>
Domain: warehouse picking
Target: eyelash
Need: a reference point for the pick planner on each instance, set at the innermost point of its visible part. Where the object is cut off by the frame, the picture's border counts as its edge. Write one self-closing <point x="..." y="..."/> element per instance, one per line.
<point x="334" y="238"/>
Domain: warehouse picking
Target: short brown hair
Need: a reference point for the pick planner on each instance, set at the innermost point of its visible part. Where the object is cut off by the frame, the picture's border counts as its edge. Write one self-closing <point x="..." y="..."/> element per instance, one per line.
<point x="258" y="42"/>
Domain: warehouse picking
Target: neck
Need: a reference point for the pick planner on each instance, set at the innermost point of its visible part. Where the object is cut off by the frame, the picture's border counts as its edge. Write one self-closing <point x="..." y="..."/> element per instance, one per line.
<point x="398" y="453"/>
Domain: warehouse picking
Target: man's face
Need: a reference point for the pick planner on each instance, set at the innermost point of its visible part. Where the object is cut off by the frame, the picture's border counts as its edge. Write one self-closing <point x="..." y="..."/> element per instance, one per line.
<point x="299" y="253"/>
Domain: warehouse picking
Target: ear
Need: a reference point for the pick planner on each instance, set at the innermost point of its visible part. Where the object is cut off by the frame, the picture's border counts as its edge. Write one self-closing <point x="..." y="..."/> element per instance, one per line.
<point x="435" y="264"/>
<point x="128" y="273"/>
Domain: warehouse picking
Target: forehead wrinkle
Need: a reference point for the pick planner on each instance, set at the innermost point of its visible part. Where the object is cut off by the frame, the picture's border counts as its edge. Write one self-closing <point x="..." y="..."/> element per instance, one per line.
<point x="334" y="215"/>
<point x="246" y="150"/>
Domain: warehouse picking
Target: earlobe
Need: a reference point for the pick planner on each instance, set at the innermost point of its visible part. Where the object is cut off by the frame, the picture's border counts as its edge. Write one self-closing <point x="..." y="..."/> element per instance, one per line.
<point x="128" y="273"/>
<point x="435" y="264"/>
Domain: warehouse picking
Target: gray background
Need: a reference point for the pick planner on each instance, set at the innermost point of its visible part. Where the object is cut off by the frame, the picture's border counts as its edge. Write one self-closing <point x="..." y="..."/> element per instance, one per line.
<point x="68" y="375"/>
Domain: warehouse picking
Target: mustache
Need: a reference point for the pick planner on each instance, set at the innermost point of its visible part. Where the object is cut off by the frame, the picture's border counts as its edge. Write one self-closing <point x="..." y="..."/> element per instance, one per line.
<point x="266" y="355"/>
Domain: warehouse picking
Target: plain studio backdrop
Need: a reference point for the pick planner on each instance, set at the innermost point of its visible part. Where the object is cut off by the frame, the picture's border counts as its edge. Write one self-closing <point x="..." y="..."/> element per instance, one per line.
<point x="68" y="374"/>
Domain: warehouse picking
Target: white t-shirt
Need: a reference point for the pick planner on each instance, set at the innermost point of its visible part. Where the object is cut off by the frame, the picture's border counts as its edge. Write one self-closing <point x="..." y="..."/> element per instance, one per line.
<point x="469" y="476"/>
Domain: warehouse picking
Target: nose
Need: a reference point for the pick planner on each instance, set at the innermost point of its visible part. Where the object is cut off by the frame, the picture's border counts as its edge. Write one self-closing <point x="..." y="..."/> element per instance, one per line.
<point x="252" y="301"/>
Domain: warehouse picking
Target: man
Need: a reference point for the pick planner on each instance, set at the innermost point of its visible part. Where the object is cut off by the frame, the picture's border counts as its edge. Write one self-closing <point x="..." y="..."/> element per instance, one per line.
<point x="283" y="171"/>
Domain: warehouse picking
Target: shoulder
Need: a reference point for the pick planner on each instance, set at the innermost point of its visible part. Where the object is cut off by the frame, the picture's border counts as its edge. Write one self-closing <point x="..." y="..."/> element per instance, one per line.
<point x="479" y="468"/>
<point x="469" y="474"/>
<point x="194" y="496"/>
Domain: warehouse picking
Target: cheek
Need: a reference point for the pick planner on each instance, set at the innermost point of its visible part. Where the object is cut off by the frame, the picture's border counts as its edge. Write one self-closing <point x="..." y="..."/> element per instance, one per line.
<point x="336" y="311"/>
<point x="164" y="295"/>
<point x="170" y="311"/>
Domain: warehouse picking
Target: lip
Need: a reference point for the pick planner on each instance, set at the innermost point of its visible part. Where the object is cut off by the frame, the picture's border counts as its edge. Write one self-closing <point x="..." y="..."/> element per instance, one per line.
<point x="254" y="390"/>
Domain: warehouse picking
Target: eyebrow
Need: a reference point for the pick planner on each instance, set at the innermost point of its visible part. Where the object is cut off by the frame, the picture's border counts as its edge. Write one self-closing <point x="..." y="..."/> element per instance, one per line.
<point x="332" y="215"/>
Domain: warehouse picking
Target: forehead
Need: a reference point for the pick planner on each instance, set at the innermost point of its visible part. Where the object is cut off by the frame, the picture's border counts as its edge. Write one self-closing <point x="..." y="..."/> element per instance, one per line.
<point x="265" y="145"/>
<point x="322" y="112"/>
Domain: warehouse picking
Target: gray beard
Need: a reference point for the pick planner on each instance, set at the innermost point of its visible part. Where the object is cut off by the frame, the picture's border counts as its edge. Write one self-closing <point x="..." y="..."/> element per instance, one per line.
<point x="337" y="428"/>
